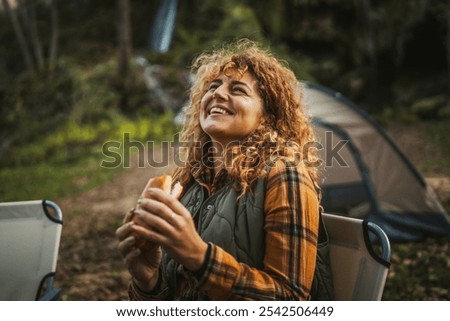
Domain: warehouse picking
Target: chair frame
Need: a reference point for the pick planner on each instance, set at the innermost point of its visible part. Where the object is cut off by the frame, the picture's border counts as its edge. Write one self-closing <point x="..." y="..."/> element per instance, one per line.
<point x="52" y="219"/>
<point x="359" y="271"/>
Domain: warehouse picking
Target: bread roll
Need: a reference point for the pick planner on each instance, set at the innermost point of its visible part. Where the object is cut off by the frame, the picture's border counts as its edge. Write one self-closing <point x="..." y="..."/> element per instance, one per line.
<point x="163" y="182"/>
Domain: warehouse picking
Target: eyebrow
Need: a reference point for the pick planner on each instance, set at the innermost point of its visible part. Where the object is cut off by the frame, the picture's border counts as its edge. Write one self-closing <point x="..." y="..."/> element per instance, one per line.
<point x="233" y="82"/>
<point x="237" y="82"/>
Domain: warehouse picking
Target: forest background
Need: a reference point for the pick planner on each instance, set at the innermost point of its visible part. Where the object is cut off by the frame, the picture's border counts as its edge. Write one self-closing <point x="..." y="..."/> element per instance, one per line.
<point x="77" y="73"/>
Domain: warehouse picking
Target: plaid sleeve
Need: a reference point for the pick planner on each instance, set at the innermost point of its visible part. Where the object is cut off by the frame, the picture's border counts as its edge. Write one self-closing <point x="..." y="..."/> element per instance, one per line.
<point x="291" y="224"/>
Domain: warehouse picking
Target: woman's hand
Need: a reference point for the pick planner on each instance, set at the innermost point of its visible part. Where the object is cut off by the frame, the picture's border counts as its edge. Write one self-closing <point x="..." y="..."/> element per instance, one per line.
<point x="165" y="221"/>
<point x="142" y="265"/>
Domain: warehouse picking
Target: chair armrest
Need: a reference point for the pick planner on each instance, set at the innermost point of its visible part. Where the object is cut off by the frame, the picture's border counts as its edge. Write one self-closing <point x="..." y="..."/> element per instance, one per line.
<point x="51" y="295"/>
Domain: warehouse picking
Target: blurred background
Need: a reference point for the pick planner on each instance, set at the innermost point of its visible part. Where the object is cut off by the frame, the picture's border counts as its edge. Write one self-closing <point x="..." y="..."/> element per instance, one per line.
<point x="75" y="74"/>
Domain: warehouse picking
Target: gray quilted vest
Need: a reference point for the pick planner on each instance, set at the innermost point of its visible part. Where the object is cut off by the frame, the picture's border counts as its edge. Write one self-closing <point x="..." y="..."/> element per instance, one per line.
<point x="237" y="226"/>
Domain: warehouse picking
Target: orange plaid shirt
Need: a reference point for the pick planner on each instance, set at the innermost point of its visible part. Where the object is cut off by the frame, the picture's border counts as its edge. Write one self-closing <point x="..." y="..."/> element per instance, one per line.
<point x="291" y="209"/>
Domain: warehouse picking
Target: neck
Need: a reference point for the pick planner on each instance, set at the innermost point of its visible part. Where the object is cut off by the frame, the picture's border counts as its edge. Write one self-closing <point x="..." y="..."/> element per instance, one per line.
<point x="219" y="155"/>
<point x="217" y="158"/>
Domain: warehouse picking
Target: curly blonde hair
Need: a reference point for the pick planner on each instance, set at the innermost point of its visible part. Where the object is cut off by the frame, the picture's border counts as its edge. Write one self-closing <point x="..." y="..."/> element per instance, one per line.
<point x="284" y="131"/>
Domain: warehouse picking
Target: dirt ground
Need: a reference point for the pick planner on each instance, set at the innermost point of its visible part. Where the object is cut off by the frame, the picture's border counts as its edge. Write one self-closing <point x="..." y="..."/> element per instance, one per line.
<point x="89" y="266"/>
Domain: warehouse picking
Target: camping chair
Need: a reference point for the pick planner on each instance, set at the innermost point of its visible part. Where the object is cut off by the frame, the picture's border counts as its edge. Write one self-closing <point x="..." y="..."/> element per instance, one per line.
<point x="359" y="271"/>
<point x="30" y="232"/>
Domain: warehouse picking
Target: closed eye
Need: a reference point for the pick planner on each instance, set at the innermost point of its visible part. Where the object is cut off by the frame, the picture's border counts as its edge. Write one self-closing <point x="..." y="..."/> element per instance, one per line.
<point x="239" y="89"/>
<point x="214" y="85"/>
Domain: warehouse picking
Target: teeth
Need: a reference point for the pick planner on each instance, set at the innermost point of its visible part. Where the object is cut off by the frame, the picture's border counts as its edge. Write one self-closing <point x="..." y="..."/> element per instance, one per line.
<point x="218" y="110"/>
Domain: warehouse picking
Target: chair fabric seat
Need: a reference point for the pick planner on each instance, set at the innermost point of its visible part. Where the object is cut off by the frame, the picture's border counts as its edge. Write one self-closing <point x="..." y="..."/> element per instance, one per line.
<point x="30" y="234"/>
<point x="359" y="257"/>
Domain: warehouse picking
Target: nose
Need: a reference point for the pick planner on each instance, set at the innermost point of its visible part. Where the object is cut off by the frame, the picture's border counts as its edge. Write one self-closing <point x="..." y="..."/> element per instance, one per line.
<point x="220" y="93"/>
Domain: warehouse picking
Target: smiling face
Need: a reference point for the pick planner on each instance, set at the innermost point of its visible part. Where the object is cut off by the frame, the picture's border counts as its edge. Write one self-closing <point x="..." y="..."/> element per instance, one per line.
<point x="231" y="109"/>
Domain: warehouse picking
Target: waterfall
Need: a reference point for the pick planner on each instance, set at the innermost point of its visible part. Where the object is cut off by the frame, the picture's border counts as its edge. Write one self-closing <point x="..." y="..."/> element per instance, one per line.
<point x="162" y="30"/>
<point x="153" y="84"/>
<point x="161" y="37"/>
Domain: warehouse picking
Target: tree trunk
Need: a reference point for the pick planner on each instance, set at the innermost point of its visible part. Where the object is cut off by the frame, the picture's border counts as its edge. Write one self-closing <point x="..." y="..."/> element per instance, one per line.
<point x="373" y="96"/>
<point x="54" y="34"/>
<point x="20" y="38"/>
<point x="399" y="51"/>
<point x="29" y="16"/>
<point x="124" y="31"/>
<point x="371" y="45"/>
<point x="448" y="45"/>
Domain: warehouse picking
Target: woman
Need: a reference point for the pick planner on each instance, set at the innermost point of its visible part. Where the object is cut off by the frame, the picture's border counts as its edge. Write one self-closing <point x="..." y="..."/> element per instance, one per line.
<point x="246" y="226"/>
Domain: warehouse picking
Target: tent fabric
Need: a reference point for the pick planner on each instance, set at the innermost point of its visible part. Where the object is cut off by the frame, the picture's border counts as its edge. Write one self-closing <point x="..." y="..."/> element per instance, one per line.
<point x="364" y="173"/>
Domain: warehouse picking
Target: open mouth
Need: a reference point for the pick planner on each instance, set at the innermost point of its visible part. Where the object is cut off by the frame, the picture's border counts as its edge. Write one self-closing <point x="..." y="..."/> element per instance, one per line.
<point x="219" y="111"/>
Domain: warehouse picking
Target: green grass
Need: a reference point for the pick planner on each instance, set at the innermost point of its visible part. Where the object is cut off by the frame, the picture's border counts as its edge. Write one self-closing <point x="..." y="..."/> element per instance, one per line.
<point x="69" y="160"/>
<point x="52" y="180"/>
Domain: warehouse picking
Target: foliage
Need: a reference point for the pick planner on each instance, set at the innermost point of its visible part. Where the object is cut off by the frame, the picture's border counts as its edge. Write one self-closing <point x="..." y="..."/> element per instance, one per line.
<point x="365" y="49"/>
<point x="437" y="134"/>
<point x="68" y="160"/>
<point x="369" y="53"/>
<point x="53" y="125"/>
<point x="69" y="93"/>
<point x="52" y="180"/>
<point x="419" y="270"/>
<point x="33" y="106"/>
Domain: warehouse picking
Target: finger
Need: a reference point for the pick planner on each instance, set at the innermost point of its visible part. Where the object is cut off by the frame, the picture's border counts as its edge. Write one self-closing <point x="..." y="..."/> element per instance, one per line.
<point x="124" y="231"/>
<point x="129" y="215"/>
<point x="127" y="245"/>
<point x="153" y="236"/>
<point x="158" y="208"/>
<point x="131" y="256"/>
<point x="154" y="221"/>
<point x="172" y="202"/>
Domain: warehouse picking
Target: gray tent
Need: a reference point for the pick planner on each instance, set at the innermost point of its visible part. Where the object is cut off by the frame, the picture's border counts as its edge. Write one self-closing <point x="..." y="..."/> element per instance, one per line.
<point x="366" y="175"/>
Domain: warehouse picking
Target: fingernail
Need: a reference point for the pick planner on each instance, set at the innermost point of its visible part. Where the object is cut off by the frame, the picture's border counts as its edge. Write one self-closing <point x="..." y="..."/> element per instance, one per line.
<point x="140" y="201"/>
